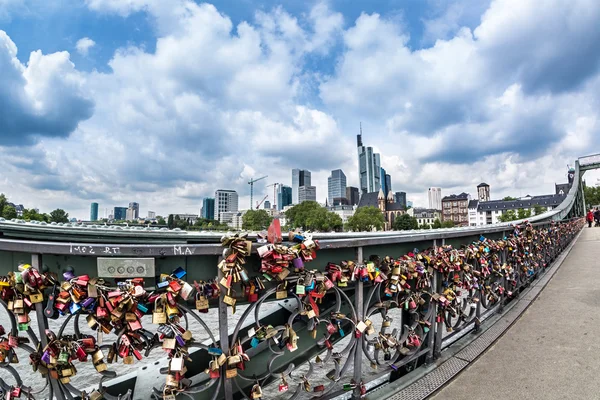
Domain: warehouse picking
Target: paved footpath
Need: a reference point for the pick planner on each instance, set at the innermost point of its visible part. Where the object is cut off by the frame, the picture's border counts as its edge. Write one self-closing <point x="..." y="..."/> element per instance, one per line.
<point x="553" y="350"/>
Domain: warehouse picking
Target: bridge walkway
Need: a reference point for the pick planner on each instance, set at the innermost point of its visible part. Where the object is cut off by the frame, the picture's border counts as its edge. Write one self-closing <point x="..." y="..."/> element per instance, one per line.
<point x="553" y="350"/>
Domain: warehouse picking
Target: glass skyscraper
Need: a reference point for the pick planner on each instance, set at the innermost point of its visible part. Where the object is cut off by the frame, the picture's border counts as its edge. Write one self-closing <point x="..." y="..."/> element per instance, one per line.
<point x="300" y="177"/>
<point x="94" y="212"/>
<point x="208" y="208"/>
<point x="284" y="196"/>
<point x="120" y="213"/>
<point x="336" y="185"/>
<point x="369" y="167"/>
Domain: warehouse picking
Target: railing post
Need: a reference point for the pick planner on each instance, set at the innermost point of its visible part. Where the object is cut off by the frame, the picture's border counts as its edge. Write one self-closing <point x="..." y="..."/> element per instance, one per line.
<point x="224" y="339"/>
<point x="360" y="307"/>
<point x="42" y="322"/>
<point x="431" y="338"/>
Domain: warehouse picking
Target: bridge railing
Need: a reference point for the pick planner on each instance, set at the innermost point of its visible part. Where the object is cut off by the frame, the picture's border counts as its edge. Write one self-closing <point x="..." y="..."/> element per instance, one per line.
<point x="329" y="328"/>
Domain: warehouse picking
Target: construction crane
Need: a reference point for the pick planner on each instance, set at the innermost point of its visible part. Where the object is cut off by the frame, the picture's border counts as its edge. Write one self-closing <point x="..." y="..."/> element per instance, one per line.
<point x="251" y="183"/>
<point x="262" y="201"/>
<point x="274" y="193"/>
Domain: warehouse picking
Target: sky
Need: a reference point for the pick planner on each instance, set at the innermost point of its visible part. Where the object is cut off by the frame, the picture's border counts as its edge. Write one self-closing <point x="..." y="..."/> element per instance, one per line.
<point x="162" y="103"/>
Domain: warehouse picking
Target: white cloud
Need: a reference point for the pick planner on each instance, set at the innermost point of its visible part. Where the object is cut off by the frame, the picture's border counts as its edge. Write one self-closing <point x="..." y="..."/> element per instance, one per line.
<point x="84" y="45"/>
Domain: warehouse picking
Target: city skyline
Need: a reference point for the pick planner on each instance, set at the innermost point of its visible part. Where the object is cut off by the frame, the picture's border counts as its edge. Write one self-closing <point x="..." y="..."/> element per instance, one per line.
<point x="174" y="133"/>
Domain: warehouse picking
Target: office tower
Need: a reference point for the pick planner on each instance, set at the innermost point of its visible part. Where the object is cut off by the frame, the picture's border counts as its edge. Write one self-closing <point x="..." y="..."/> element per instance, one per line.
<point x="400" y="198"/>
<point x="388" y="183"/>
<point x="435" y="198"/>
<point x="151" y="215"/>
<point x="120" y="213"/>
<point x="225" y="201"/>
<point x="307" y="193"/>
<point x="208" y="208"/>
<point x="267" y="205"/>
<point x="369" y="167"/>
<point x="136" y="210"/>
<point x="94" y="212"/>
<point x="130" y="214"/>
<point x="336" y="185"/>
<point x="352" y="195"/>
<point x="300" y="177"/>
<point x="284" y="196"/>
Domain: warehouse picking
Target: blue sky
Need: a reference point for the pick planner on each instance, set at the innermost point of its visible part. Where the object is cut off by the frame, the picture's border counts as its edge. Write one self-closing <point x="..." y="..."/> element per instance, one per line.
<point x="113" y="101"/>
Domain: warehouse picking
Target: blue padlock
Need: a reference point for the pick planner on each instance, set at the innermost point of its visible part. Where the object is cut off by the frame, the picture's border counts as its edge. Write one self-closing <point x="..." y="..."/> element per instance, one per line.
<point x="179" y="273"/>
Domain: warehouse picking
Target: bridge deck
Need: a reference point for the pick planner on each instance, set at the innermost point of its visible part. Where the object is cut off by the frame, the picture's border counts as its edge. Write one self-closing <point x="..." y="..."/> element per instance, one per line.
<point x="552" y="351"/>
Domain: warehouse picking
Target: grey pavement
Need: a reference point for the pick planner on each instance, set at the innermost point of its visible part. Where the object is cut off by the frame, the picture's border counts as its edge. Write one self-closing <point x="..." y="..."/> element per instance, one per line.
<point x="553" y="350"/>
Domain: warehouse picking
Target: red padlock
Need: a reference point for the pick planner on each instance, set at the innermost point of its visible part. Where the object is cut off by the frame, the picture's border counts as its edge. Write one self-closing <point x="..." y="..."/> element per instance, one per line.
<point x="213" y="374"/>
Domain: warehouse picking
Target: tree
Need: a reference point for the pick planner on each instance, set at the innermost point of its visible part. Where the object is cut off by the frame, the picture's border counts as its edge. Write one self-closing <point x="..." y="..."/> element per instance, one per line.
<point x="509" y="198"/>
<point x="366" y="219"/>
<point x="256" y="220"/>
<point x="537" y="210"/>
<point x="309" y="215"/>
<point x="171" y="222"/>
<point x="592" y="196"/>
<point x="448" y="224"/>
<point x="405" y="222"/>
<point x="523" y="213"/>
<point x="59" y="215"/>
<point x="3" y="201"/>
<point x="160" y="221"/>
<point x="32" y="215"/>
<point x="437" y="224"/>
<point x="507" y="216"/>
<point x="9" y="212"/>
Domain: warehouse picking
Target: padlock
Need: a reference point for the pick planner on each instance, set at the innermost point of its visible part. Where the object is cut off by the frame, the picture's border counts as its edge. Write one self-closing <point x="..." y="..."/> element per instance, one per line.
<point x="256" y="391"/>
<point x="63" y="357"/>
<point x="36" y="297"/>
<point x="201" y="303"/>
<point x="159" y="315"/>
<point x="176" y="364"/>
<point x="300" y="288"/>
<point x="281" y="291"/>
<point x="231" y="373"/>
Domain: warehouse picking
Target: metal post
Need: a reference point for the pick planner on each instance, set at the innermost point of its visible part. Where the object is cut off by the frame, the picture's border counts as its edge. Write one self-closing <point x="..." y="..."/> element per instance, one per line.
<point x="360" y="307"/>
<point x="431" y="338"/>
<point x="224" y="340"/>
<point x="36" y="262"/>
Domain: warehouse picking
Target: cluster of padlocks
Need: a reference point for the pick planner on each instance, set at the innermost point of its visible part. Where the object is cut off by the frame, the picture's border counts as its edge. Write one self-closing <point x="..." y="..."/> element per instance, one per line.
<point x="486" y="271"/>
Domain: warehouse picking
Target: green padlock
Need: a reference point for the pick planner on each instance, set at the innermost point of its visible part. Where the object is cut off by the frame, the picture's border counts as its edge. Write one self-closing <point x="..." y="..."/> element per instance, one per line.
<point x="63" y="357"/>
<point x="18" y="277"/>
<point x="23" y="326"/>
<point x="300" y="288"/>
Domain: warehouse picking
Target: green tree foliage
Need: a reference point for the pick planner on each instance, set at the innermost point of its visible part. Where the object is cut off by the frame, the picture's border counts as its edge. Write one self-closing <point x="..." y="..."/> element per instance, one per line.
<point x="537" y="210"/>
<point x="3" y="201"/>
<point x="160" y="221"/>
<point x="309" y="215"/>
<point x="437" y="224"/>
<point x="405" y="222"/>
<point x="171" y="222"/>
<point x="523" y="213"/>
<point x="59" y="215"/>
<point x="366" y="219"/>
<point x="32" y="215"/>
<point x="9" y="212"/>
<point x="507" y="216"/>
<point x="509" y="198"/>
<point x="591" y="195"/>
<point x="448" y="224"/>
<point x="256" y="220"/>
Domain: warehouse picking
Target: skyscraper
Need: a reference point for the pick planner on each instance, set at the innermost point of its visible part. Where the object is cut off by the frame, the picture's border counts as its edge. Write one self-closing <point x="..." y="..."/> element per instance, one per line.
<point x="284" y="196"/>
<point x="94" y="212"/>
<point x="300" y="177"/>
<point x="136" y="209"/>
<point x="208" y="208"/>
<point x="307" y="193"/>
<point x="120" y="213"/>
<point x="435" y="198"/>
<point x="336" y="185"/>
<point x="352" y="195"/>
<point x="400" y="198"/>
<point x="369" y="167"/>
<point x="267" y="205"/>
<point x="388" y="182"/>
<point x="225" y="201"/>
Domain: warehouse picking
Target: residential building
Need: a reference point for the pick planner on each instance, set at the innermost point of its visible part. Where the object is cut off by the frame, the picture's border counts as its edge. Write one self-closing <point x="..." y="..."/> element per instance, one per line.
<point x="344" y="211"/>
<point x="208" y="208"/>
<point x="455" y="209"/>
<point x="151" y="215"/>
<point x="489" y="212"/>
<point x="120" y="213"/>
<point x="336" y="185"/>
<point x="237" y="220"/>
<point x="284" y="196"/>
<point x="94" y="212"/>
<point x="226" y="217"/>
<point x="369" y="168"/>
<point x="352" y="194"/>
<point x="267" y="205"/>
<point x="136" y="210"/>
<point x="483" y="191"/>
<point x="300" y="177"/>
<point x="190" y="218"/>
<point x="400" y="198"/>
<point x="19" y="208"/>
<point x="434" y="195"/>
<point x="307" y="193"/>
<point x="225" y="201"/>
<point x="387" y="205"/>
<point x="425" y="216"/>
